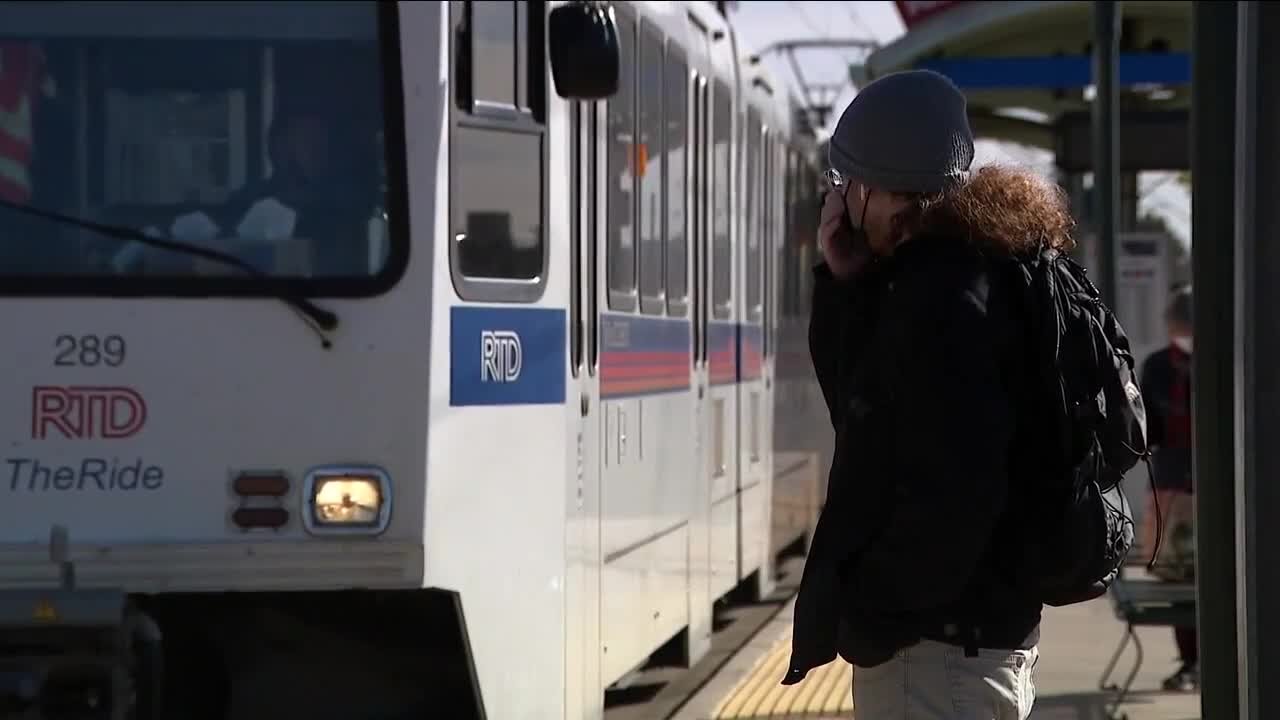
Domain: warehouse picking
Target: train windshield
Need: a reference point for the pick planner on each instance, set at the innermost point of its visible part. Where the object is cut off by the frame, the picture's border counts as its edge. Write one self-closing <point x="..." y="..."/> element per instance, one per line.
<point x="258" y="129"/>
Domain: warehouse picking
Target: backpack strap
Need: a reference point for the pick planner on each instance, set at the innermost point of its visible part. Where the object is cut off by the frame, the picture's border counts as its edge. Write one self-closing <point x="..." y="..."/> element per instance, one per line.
<point x="1155" y="496"/>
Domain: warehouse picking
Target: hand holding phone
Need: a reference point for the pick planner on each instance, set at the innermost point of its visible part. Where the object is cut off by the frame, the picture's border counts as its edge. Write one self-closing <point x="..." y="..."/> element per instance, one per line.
<point x="845" y="251"/>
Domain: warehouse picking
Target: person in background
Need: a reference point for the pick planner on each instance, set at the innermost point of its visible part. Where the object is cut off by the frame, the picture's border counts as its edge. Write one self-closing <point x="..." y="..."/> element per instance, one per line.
<point x="323" y="188"/>
<point x="315" y="175"/>
<point x="1166" y="390"/>
<point x="24" y="80"/>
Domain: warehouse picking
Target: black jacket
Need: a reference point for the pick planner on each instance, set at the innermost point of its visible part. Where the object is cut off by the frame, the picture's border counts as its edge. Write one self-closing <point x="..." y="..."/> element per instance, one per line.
<point x="914" y="358"/>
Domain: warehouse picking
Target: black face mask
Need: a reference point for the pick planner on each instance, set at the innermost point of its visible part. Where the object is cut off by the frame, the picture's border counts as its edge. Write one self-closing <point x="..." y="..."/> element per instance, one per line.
<point x="858" y="233"/>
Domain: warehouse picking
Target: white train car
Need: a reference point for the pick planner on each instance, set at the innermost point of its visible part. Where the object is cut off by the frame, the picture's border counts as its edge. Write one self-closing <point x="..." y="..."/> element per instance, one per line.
<point x="359" y="369"/>
<point x="802" y="436"/>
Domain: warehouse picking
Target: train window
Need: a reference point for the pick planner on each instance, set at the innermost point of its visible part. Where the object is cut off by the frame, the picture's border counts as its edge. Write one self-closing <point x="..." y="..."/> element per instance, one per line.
<point x="788" y="234"/>
<point x="161" y="116"/>
<point x="806" y="248"/>
<point x="768" y="251"/>
<point x="677" y="113"/>
<point x="699" y="163"/>
<point x="721" y="252"/>
<point x="759" y="238"/>
<point x="766" y="239"/>
<point x="493" y="51"/>
<point x="575" y="237"/>
<point x="648" y="172"/>
<point x="502" y="72"/>
<point x="498" y="153"/>
<point x="496" y="206"/>
<point x="592" y="237"/>
<point x="798" y="210"/>
<point x="775" y="251"/>
<point x="791" y="268"/>
<point x="621" y="255"/>
<point x="755" y="198"/>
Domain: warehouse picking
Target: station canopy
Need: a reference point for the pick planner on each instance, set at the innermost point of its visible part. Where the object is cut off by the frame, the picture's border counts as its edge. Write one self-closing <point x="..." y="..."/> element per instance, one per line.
<point x="1027" y="70"/>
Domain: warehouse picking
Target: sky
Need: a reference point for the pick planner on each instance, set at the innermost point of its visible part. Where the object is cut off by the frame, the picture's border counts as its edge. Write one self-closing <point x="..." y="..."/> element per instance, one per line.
<point x="759" y="23"/>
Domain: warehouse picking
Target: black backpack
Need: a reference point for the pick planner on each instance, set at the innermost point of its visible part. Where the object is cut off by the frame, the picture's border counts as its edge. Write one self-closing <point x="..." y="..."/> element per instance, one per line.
<point x="1091" y="429"/>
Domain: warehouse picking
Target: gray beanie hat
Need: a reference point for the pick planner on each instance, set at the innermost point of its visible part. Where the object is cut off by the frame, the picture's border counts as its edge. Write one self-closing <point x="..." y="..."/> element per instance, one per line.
<point x="905" y="132"/>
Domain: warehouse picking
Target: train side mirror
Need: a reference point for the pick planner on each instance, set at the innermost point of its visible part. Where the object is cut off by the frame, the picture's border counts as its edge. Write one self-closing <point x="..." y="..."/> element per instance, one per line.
<point x="584" y="50"/>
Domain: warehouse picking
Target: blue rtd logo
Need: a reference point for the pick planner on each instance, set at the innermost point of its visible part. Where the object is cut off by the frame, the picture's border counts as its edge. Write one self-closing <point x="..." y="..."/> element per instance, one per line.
<point x="507" y="356"/>
<point x="501" y="356"/>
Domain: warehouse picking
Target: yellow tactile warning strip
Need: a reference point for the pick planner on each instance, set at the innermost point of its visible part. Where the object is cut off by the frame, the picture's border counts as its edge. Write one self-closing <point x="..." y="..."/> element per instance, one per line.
<point x="826" y="691"/>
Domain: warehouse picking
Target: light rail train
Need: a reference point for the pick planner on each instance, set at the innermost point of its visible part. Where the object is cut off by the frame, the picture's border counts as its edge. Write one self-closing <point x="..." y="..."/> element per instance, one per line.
<point x="367" y="360"/>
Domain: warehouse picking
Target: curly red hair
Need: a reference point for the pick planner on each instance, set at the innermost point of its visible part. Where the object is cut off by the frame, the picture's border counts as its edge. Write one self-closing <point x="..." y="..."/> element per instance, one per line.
<point x="1003" y="208"/>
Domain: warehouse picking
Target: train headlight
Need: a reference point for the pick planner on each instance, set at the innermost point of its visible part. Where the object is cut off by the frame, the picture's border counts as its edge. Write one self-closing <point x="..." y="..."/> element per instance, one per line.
<point x="347" y="501"/>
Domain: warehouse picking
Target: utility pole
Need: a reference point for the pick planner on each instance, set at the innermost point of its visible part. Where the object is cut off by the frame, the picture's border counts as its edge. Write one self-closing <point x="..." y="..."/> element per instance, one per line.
<point x="1106" y="133"/>
<point x="1214" y="186"/>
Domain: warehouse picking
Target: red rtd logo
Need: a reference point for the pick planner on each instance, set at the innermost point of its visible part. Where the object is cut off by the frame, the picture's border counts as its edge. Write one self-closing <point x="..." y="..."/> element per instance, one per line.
<point x="81" y="413"/>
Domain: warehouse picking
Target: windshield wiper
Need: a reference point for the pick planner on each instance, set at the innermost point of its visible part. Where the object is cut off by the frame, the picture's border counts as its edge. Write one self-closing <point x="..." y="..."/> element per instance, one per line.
<point x="317" y="318"/>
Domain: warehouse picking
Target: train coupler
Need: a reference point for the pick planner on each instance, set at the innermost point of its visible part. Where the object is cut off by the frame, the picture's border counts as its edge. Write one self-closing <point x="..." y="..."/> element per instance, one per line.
<point x="82" y="654"/>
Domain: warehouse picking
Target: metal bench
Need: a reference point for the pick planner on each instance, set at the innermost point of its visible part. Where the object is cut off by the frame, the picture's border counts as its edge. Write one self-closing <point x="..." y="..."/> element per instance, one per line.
<point x="1142" y="602"/>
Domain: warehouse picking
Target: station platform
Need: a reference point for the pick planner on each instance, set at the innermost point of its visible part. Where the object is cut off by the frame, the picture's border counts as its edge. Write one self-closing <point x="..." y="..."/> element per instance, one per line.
<point x="825" y="692"/>
<point x="749" y="687"/>
<point x="1076" y="644"/>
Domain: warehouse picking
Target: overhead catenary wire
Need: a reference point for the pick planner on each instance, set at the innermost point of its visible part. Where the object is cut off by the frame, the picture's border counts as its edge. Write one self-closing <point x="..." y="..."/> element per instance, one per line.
<point x="817" y="96"/>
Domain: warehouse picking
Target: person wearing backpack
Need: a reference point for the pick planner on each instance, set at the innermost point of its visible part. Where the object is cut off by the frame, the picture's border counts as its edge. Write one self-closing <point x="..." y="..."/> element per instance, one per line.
<point x="1166" y="383"/>
<point x="938" y="296"/>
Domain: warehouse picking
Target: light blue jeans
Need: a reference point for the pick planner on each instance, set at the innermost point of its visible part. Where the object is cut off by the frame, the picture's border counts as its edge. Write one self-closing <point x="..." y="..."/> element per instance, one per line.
<point x="935" y="681"/>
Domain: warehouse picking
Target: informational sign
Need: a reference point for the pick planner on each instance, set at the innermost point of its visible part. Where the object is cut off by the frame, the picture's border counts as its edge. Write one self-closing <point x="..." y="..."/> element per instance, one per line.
<point x="913" y="13"/>
<point x="1142" y="290"/>
<point x="1142" y="262"/>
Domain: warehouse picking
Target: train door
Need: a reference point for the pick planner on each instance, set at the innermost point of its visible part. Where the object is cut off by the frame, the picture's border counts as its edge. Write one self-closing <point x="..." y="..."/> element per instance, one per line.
<point x="584" y="691"/>
<point x="751" y="483"/>
<point x="721" y="344"/>
<point x="762" y="438"/>
<point x="630" y="531"/>
<point x="700" y="594"/>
